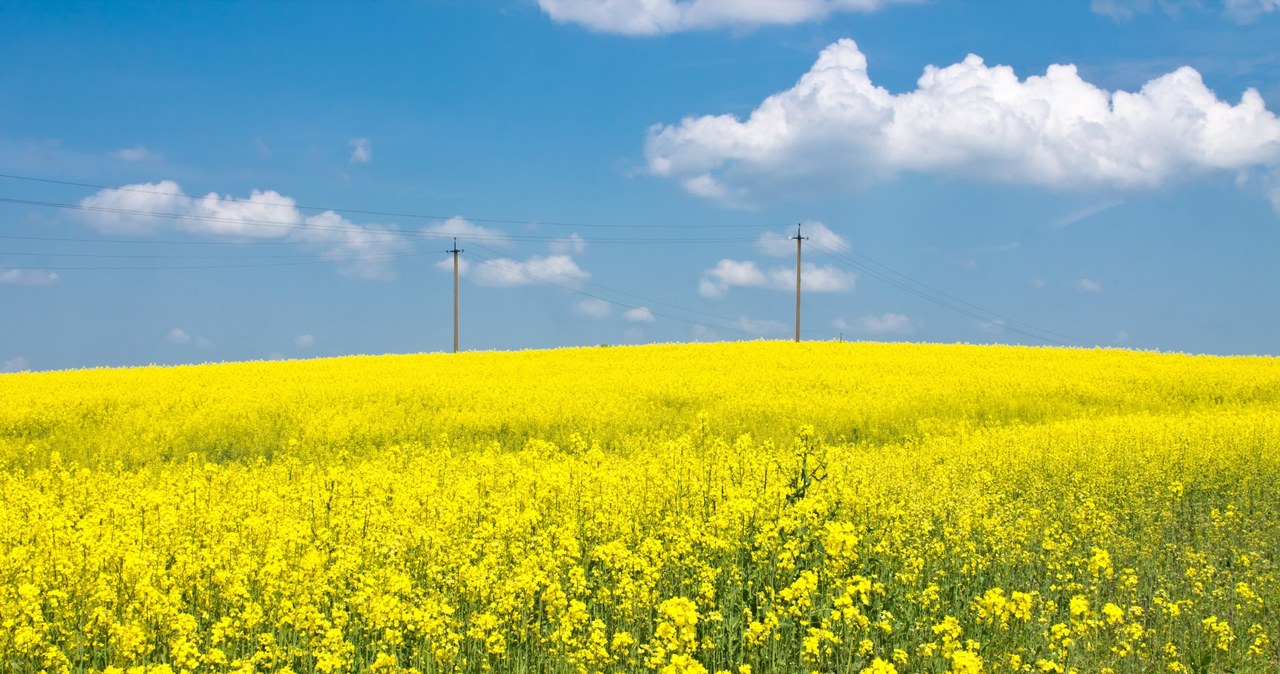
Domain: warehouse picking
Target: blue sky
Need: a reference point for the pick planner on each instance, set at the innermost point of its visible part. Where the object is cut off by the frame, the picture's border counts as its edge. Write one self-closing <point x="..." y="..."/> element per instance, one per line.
<point x="189" y="182"/>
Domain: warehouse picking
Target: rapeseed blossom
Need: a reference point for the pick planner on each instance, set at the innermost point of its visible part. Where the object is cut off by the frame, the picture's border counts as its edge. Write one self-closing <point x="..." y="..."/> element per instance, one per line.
<point x="754" y="508"/>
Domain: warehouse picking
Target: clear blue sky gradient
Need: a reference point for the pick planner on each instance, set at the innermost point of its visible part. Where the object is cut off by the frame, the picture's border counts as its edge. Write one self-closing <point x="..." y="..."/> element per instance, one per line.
<point x="495" y="111"/>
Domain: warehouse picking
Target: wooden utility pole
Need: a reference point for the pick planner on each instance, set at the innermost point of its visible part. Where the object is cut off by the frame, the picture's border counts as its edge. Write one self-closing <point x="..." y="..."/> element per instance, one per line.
<point x="798" y="239"/>
<point x="455" y="252"/>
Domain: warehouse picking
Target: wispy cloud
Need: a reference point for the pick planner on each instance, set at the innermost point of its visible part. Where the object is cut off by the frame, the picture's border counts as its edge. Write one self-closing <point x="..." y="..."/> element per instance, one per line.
<point x="593" y="308"/>
<point x="135" y="153"/>
<point x="1086" y="213"/>
<point x="361" y="151"/>
<point x="761" y="326"/>
<point x="28" y="277"/>
<point x="1242" y="11"/>
<point x="569" y="245"/>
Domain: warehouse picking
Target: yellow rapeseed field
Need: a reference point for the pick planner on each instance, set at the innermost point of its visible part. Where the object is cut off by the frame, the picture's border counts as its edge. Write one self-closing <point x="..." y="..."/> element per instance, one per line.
<point x="747" y="508"/>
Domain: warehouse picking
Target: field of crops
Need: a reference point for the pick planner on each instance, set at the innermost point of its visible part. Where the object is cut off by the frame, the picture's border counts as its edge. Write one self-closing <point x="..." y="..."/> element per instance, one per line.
<point x="749" y="508"/>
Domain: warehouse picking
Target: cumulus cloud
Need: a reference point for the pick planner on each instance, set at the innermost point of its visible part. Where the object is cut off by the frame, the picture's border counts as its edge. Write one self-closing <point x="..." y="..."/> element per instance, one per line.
<point x="360" y="251"/>
<point x="28" y="277"/>
<point x="593" y="307"/>
<point x="361" y="151"/>
<point x="462" y="228"/>
<point x="780" y="244"/>
<point x="884" y="324"/>
<point x="304" y="341"/>
<point x="717" y="281"/>
<point x="835" y="128"/>
<point x="537" y="270"/>
<point x="1089" y="285"/>
<point x="638" y="315"/>
<point x="135" y="153"/>
<point x="179" y="336"/>
<point x="16" y="364"/>
<point x="655" y="17"/>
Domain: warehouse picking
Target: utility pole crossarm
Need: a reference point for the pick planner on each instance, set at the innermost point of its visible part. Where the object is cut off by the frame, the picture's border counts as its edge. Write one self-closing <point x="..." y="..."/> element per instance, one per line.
<point x="798" y="239"/>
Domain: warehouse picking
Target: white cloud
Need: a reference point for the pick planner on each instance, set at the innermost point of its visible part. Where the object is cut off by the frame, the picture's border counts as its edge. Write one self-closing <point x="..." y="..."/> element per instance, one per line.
<point x="1038" y="283"/>
<point x="179" y="336"/>
<point x="130" y="209"/>
<point x="715" y="282"/>
<point x="549" y="269"/>
<point x="780" y="244"/>
<point x="361" y="151"/>
<point x="1248" y="10"/>
<point x="360" y="251"/>
<point x="761" y="326"/>
<point x="593" y="307"/>
<point x="884" y="324"/>
<point x="707" y="187"/>
<point x="638" y="315"/>
<point x="570" y="245"/>
<point x="818" y="279"/>
<point x="994" y="327"/>
<point x="728" y="273"/>
<point x="655" y="17"/>
<point x="135" y="153"/>
<point x="17" y="364"/>
<point x="117" y="211"/>
<point x="1089" y="285"/>
<point x="28" y="277"/>
<point x="1240" y="10"/>
<point x="462" y="228"/>
<point x="304" y="341"/>
<point x="1086" y="213"/>
<point x="836" y="128"/>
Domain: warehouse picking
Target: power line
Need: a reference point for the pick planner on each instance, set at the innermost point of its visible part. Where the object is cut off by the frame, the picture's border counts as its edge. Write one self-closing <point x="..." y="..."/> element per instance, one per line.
<point x="352" y="229"/>
<point x="883" y="273"/>
<point x="418" y="216"/>
<point x="154" y="257"/>
<point x="319" y="259"/>
<point x="728" y="324"/>
<point x="930" y="294"/>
